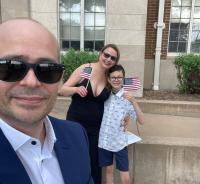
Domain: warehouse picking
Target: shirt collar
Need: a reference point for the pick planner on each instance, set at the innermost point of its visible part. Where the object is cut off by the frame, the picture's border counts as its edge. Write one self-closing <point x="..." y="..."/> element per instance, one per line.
<point x="120" y="93"/>
<point x="17" y="138"/>
<point x="50" y="134"/>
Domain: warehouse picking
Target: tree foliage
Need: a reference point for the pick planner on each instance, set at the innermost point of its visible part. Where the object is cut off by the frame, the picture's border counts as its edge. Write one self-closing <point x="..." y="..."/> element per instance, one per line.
<point x="188" y="73"/>
<point x="73" y="59"/>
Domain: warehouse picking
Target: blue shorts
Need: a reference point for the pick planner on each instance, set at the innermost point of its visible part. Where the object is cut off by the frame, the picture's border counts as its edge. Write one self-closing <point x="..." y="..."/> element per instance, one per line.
<point x="121" y="158"/>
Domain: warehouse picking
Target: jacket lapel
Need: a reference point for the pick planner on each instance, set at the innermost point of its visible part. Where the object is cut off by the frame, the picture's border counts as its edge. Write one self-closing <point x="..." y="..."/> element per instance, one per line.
<point x="11" y="170"/>
<point x="66" y="155"/>
<point x="64" y="158"/>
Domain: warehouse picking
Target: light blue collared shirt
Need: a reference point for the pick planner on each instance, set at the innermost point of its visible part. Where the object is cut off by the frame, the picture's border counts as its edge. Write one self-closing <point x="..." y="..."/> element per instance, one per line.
<point x="112" y="136"/>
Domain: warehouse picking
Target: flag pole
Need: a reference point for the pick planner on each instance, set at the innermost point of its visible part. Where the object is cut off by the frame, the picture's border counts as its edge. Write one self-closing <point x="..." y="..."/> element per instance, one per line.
<point x="86" y="73"/>
<point x="87" y="83"/>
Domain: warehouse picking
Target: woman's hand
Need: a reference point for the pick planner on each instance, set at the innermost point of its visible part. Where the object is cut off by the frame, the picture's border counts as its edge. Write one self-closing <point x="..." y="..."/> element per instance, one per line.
<point x="82" y="91"/>
<point x="125" y="122"/>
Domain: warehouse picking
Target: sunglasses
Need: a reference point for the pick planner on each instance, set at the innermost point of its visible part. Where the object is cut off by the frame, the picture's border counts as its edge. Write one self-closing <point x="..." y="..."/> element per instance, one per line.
<point x="107" y="56"/>
<point x="15" y="70"/>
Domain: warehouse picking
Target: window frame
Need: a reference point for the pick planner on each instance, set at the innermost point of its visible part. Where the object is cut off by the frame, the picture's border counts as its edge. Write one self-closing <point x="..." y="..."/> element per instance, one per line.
<point x="82" y="28"/>
<point x="189" y="40"/>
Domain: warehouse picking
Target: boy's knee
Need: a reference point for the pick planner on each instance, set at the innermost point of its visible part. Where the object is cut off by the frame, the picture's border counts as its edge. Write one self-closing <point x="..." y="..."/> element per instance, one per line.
<point x="109" y="169"/>
<point x="125" y="178"/>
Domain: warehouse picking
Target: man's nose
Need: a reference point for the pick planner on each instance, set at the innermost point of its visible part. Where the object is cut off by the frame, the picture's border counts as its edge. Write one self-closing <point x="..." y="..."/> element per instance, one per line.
<point x="30" y="80"/>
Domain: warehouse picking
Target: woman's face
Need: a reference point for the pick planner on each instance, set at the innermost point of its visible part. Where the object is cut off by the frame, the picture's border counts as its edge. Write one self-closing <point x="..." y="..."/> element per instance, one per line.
<point x="108" y="58"/>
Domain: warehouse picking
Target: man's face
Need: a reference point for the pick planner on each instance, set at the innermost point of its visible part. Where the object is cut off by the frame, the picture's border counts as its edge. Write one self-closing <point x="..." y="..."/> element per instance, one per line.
<point x="27" y="101"/>
<point x="116" y="80"/>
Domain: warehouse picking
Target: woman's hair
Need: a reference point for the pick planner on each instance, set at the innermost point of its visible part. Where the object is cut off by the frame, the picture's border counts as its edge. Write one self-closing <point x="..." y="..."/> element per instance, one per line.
<point x="113" y="46"/>
<point x="114" y="68"/>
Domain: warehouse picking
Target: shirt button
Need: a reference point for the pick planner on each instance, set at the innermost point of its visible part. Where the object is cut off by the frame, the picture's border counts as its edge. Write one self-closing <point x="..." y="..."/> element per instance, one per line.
<point x="33" y="142"/>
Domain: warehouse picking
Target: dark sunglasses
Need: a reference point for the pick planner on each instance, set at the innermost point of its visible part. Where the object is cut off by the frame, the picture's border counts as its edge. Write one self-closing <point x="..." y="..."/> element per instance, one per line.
<point x="14" y="70"/>
<point x="107" y="55"/>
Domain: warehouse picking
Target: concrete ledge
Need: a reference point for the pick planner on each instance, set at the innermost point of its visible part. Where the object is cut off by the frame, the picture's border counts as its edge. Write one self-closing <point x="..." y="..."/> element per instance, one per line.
<point x="157" y="125"/>
<point x="170" y="141"/>
<point x="170" y="149"/>
<point x="162" y="107"/>
<point x="178" y="108"/>
<point x="165" y="164"/>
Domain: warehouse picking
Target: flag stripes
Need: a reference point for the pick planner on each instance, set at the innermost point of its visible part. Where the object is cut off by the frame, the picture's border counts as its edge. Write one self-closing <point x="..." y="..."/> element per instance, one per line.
<point x="86" y="73"/>
<point x="131" y="84"/>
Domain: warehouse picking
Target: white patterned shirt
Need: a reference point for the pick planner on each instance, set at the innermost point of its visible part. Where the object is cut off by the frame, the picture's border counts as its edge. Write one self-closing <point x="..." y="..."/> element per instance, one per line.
<point x="112" y="136"/>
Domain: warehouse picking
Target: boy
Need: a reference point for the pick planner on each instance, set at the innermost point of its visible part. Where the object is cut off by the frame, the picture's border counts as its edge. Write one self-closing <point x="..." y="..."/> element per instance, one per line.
<point x="112" y="137"/>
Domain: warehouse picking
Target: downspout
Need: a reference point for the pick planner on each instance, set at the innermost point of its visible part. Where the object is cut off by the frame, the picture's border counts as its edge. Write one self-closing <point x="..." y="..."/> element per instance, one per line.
<point x="159" y="26"/>
<point x="82" y="26"/>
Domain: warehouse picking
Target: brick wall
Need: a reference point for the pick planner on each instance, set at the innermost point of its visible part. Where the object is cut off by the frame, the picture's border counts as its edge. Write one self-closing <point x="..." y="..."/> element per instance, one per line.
<point x="152" y="17"/>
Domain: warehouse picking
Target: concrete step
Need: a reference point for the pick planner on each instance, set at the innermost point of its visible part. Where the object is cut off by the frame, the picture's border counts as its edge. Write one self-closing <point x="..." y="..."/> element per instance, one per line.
<point x="162" y="126"/>
<point x="170" y="147"/>
<point x="178" y="108"/>
<point x="162" y="118"/>
<point x="162" y="107"/>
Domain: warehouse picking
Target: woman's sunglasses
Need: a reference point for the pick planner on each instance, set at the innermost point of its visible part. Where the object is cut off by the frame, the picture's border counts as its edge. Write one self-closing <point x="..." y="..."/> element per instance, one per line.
<point x="107" y="55"/>
<point x="15" y="70"/>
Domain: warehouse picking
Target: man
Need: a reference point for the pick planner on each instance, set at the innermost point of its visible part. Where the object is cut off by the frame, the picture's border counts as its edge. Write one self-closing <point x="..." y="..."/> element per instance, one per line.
<point x="35" y="148"/>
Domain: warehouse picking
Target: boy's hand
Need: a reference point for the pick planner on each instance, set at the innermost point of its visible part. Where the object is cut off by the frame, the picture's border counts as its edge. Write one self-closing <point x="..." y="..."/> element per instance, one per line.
<point x="129" y="96"/>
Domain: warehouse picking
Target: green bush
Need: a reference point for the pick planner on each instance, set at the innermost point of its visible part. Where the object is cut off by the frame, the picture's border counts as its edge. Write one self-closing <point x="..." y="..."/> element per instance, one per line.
<point x="188" y="73"/>
<point x="73" y="59"/>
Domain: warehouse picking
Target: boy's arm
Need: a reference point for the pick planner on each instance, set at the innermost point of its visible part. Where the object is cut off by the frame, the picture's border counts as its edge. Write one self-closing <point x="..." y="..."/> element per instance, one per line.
<point x="137" y="109"/>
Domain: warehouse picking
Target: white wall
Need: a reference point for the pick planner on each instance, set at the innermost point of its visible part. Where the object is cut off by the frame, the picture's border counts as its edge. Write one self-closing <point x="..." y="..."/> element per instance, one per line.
<point x="126" y="26"/>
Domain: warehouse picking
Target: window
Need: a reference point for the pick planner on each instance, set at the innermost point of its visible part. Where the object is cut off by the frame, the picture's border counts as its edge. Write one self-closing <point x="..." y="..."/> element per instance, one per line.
<point x="184" y="26"/>
<point x="82" y="24"/>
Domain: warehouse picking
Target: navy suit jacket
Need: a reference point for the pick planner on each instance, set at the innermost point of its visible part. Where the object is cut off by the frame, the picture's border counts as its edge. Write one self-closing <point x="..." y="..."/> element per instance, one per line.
<point x="71" y="150"/>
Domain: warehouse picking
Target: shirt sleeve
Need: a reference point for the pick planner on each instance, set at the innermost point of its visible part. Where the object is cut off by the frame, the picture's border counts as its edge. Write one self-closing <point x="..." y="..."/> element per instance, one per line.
<point x="131" y="111"/>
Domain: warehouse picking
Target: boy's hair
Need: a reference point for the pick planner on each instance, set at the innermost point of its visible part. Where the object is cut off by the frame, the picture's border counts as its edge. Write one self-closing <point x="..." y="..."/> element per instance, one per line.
<point x="114" y="69"/>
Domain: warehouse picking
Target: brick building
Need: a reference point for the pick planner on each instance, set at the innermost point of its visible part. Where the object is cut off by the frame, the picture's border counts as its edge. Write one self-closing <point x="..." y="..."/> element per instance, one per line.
<point x="149" y="33"/>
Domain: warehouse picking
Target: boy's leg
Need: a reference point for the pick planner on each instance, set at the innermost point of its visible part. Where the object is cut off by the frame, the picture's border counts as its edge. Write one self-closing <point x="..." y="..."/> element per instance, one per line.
<point x="122" y="165"/>
<point x="124" y="177"/>
<point x="106" y="161"/>
<point x="109" y="174"/>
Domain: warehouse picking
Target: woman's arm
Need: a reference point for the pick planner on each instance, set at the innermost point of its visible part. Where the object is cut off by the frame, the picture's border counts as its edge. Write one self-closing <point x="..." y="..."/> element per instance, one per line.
<point x="69" y="87"/>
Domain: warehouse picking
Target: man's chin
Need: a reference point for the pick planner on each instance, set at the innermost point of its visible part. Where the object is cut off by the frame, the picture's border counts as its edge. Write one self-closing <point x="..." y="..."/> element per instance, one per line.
<point x="29" y="116"/>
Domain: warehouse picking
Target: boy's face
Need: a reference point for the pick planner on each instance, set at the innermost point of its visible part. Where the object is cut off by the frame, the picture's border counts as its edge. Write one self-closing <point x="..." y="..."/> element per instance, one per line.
<point x="116" y="80"/>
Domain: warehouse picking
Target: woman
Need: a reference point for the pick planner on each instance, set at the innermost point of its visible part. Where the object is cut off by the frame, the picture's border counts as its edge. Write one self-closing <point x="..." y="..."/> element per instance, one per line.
<point x="88" y="100"/>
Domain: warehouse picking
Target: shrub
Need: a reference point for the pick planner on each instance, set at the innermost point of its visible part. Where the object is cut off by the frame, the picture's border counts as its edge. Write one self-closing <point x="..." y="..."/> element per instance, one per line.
<point x="188" y="73"/>
<point x="73" y="59"/>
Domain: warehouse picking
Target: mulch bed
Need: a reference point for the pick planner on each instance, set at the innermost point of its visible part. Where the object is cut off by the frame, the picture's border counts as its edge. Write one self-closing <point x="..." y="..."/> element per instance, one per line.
<point x="169" y="95"/>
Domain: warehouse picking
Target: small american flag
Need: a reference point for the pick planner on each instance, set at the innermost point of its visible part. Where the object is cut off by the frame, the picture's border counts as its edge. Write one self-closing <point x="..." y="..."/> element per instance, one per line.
<point x="86" y="73"/>
<point x="131" y="84"/>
